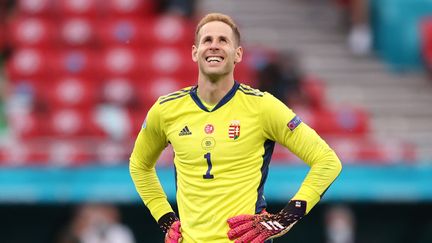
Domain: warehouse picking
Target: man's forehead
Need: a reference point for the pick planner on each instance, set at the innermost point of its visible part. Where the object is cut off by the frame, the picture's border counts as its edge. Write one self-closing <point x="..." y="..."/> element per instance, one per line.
<point x="215" y="28"/>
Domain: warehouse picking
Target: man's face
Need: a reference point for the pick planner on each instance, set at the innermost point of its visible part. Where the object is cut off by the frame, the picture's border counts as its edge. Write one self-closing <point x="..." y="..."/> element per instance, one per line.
<point x="216" y="50"/>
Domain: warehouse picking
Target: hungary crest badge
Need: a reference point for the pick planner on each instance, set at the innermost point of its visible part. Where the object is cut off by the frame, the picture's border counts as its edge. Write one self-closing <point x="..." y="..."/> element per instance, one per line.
<point x="234" y="130"/>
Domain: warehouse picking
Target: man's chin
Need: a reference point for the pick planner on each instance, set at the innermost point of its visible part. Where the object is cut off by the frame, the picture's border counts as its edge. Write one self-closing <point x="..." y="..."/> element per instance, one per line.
<point x="214" y="76"/>
<point x="211" y="71"/>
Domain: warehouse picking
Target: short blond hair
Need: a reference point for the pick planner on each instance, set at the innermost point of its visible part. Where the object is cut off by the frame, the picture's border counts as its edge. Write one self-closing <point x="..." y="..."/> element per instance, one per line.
<point x="211" y="17"/>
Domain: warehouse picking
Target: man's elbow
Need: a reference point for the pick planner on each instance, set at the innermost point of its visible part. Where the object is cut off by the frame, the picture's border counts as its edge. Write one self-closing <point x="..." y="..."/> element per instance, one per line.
<point x="338" y="166"/>
<point x="334" y="163"/>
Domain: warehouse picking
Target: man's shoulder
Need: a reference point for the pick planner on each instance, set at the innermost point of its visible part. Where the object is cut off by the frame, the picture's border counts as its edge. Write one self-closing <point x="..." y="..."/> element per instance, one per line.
<point x="264" y="99"/>
<point x="248" y="90"/>
<point x="174" y="95"/>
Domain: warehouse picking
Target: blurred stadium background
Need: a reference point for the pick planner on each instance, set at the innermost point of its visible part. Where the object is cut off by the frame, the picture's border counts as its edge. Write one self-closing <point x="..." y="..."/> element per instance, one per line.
<point x="78" y="76"/>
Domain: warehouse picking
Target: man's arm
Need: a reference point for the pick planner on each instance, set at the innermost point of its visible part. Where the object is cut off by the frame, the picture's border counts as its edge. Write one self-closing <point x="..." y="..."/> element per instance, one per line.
<point x="325" y="167"/>
<point x="149" y="188"/>
<point x="149" y="144"/>
<point x="151" y="192"/>
<point x="324" y="164"/>
<point x="283" y="126"/>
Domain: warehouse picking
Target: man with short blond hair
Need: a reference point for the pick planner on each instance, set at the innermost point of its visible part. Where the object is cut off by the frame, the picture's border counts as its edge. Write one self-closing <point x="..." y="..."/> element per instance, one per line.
<point x="223" y="134"/>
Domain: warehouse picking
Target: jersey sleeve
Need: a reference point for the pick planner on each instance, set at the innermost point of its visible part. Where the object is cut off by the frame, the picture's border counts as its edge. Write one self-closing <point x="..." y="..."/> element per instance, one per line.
<point x="282" y="125"/>
<point x="150" y="143"/>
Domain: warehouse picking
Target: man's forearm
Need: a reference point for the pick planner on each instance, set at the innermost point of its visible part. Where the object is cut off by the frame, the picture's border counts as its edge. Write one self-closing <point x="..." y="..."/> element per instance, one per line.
<point x="150" y="190"/>
<point x="321" y="175"/>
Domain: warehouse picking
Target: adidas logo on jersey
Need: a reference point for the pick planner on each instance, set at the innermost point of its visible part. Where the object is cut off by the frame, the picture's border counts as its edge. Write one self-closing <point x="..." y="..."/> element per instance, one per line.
<point x="185" y="131"/>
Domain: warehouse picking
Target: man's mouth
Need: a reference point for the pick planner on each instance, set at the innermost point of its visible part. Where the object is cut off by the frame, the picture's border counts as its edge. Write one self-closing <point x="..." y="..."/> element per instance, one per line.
<point x="214" y="59"/>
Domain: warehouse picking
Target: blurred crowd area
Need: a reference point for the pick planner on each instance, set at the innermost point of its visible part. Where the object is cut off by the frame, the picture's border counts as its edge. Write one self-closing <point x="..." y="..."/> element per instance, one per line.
<point x="102" y="223"/>
<point x="80" y="76"/>
<point x="95" y="223"/>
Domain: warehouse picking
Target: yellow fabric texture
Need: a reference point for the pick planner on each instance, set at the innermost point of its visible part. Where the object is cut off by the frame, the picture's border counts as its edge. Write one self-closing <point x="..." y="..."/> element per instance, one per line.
<point x="221" y="157"/>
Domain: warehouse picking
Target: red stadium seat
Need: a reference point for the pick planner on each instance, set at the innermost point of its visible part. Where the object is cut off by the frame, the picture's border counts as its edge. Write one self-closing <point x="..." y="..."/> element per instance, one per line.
<point x="112" y="152"/>
<point x="119" y="91"/>
<point x="28" y="63"/>
<point x="163" y="86"/>
<point x="32" y="32"/>
<point x="426" y="39"/>
<point x="28" y="125"/>
<point x="69" y="123"/>
<point x="123" y="8"/>
<point x="77" y="62"/>
<point x="28" y="93"/>
<point x="35" y="7"/>
<point x="56" y="93"/>
<point x="245" y="73"/>
<point x="71" y="92"/>
<point x="87" y="8"/>
<point x="344" y="121"/>
<point x="169" y="61"/>
<point x="53" y="152"/>
<point x="78" y="32"/>
<point x="121" y="31"/>
<point x="121" y="61"/>
<point x="2" y="35"/>
<point x="314" y="90"/>
<point x="153" y="87"/>
<point x="168" y="30"/>
<point x="137" y="119"/>
<point x="367" y="150"/>
<point x="24" y="154"/>
<point x="358" y="151"/>
<point x="66" y="152"/>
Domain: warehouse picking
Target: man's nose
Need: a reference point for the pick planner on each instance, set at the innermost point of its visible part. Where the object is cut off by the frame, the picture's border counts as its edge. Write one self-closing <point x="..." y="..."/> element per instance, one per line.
<point x="214" y="45"/>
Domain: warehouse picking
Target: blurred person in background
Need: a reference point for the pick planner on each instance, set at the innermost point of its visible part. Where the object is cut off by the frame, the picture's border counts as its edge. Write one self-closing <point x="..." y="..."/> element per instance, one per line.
<point x="360" y="34"/>
<point x="3" y="122"/>
<point x="96" y="224"/>
<point x="340" y="225"/>
<point x="185" y="8"/>
<point x="282" y="77"/>
<point x="3" y="119"/>
<point x="223" y="134"/>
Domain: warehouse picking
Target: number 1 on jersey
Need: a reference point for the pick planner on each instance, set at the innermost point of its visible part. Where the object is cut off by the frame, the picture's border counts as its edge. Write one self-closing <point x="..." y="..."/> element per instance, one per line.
<point x="209" y="167"/>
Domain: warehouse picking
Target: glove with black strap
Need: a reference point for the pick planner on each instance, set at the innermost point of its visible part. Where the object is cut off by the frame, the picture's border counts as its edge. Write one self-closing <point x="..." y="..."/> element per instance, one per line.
<point x="261" y="227"/>
<point x="170" y="225"/>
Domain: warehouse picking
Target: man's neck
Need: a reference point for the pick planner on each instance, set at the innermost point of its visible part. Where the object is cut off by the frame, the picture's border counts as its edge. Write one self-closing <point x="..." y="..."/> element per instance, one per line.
<point x="212" y="91"/>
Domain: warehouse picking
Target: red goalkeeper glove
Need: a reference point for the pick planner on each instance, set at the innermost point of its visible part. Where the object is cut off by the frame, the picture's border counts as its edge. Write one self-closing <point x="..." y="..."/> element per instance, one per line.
<point x="261" y="227"/>
<point x="170" y="225"/>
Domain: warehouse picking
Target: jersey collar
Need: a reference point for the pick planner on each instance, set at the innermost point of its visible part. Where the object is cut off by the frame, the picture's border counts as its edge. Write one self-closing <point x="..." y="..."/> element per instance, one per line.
<point x="222" y="102"/>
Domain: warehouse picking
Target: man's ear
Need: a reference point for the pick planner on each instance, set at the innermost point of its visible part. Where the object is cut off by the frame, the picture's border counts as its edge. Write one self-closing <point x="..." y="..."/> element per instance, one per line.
<point x="194" y="53"/>
<point x="239" y="55"/>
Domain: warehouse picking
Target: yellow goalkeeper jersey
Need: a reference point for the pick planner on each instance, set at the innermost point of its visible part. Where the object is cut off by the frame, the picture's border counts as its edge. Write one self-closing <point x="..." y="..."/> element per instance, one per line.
<point x="222" y="157"/>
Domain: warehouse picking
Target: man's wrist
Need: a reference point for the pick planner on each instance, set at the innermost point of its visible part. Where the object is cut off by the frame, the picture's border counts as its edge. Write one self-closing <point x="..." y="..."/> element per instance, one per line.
<point x="297" y="207"/>
<point x="167" y="220"/>
<point x="293" y="211"/>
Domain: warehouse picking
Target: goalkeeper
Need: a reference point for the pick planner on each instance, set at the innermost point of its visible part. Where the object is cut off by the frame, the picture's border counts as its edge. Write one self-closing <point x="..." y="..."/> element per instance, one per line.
<point x="223" y="134"/>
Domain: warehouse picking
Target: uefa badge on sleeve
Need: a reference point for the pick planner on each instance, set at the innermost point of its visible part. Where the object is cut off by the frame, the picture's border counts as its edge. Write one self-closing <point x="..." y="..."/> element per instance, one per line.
<point x="294" y="123"/>
<point x="234" y="130"/>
